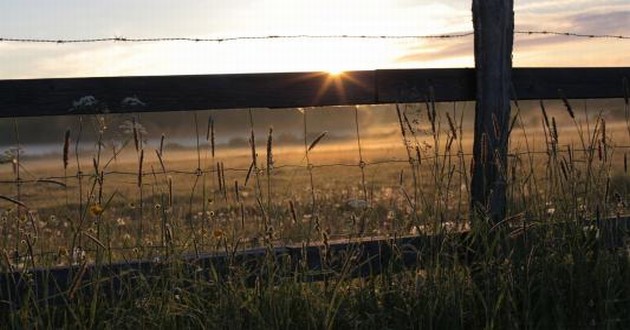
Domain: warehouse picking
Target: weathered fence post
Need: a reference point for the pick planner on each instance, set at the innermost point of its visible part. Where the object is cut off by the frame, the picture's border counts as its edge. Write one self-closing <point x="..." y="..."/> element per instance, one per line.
<point x="493" y="22"/>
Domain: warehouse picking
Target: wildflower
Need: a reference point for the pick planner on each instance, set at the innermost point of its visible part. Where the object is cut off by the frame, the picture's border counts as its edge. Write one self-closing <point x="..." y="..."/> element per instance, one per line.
<point x="157" y="206"/>
<point x="96" y="210"/>
<point x="84" y="102"/>
<point x="218" y="233"/>
<point x="78" y="255"/>
<point x="550" y="209"/>
<point x="357" y="204"/>
<point x="168" y="233"/>
<point x="132" y="102"/>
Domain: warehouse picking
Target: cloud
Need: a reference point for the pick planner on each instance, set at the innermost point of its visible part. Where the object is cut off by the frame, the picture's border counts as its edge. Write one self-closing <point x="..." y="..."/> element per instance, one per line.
<point x="613" y="22"/>
<point x="432" y="50"/>
<point x="535" y="49"/>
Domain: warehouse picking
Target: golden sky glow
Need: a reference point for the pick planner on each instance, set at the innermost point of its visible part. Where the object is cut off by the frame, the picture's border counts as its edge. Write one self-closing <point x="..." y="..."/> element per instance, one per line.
<point x="216" y="19"/>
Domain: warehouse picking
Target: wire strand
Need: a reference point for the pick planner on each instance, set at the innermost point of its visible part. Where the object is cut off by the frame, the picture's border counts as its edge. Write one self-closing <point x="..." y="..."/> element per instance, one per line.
<point x="298" y="36"/>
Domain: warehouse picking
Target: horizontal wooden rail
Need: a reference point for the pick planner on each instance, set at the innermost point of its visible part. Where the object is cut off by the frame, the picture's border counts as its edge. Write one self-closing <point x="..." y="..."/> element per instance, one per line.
<point x="370" y="256"/>
<point x="44" y="97"/>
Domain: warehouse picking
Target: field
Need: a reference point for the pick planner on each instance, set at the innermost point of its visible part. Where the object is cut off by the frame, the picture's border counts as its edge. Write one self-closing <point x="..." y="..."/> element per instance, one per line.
<point x="139" y="197"/>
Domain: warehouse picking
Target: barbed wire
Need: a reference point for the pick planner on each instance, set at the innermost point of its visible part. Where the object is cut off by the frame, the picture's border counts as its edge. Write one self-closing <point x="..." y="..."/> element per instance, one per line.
<point x="297" y="36"/>
<point x="214" y="170"/>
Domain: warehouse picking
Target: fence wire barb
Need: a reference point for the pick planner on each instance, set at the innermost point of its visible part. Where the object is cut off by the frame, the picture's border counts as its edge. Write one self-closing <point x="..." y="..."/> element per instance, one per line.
<point x="211" y="170"/>
<point x="299" y="36"/>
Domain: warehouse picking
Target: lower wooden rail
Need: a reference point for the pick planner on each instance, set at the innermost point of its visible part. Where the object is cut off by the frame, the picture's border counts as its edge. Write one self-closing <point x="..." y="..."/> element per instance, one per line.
<point x="315" y="262"/>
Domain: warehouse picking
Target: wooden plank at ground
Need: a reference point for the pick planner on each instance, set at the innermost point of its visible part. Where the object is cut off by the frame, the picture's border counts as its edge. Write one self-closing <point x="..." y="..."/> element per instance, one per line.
<point x="45" y="97"/>
<point x="315" y="262"/>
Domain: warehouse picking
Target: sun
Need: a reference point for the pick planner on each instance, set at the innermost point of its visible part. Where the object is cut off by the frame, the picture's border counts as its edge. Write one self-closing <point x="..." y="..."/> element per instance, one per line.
<point x="335" y="72"/>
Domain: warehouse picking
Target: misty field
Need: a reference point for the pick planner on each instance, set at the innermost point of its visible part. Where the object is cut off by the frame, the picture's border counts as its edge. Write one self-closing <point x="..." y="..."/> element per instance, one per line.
<point x="112" y="189"/>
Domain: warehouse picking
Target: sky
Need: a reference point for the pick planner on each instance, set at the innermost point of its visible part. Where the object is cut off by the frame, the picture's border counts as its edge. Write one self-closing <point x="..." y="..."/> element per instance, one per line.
<point x="71" y="19"/>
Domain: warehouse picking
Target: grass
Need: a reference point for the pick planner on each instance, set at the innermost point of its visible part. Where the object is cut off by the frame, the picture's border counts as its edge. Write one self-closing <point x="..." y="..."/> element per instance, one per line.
<point x="545" y="266"/>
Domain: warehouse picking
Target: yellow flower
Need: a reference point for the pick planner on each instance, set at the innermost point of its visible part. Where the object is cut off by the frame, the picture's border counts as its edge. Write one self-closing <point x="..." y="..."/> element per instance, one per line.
<point x="96" y="210"/>
<point x="217" y="233"/>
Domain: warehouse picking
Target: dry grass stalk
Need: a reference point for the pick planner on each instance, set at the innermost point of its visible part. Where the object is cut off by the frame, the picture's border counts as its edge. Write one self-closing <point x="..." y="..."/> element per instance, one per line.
<point x="564" y="168"/>
<point x="208" y="128"/>
<point x="431" y="112"/>
<point x="168" y="234"/>
<point x="451" y="124"/>
<point x="252" y="142"/>
<point x="604" y="144"/>
<point x="66" y="147"/>
<point x="249" y="173"/>
<point x="136" y="138"/>
<point x="545" y="117"/>
<point x="159" y="156"/>
<point x="170" y="191"/>
<point x="140" y="168"/>
<point x="222" y="168"/>
<point x="95" y="164"/>
<point x="408" y="122"/>
<point x="402" y="126"/>
<point x="316" y="141"/>
<point x="219" y="177"/>
<point x="269" y="150"/>
<point x="52" y="181"/>
<point x="161" y="146"/>
<point x="293" y="213"/>
<point x="514" y="121"/>
<point x="7" y="260"/>
<point x="567" y="105"/>
<point x="554" y="130"/>
<point x="236" y="192"/>
<point x="94" y="239"/>
<point x="14" y="201"/>
<point x="210" y="135"/>
<point x="403" y="132"/>
<point x="77" y="280"/>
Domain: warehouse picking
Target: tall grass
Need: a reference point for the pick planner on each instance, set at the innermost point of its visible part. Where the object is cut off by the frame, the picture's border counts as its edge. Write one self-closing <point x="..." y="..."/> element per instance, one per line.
<point x="547" y="265"/>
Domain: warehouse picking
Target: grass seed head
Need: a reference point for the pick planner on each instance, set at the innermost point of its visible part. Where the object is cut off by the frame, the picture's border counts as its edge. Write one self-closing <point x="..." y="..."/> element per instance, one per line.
<point x="66" y="147"/>
<point x="451" y="125"/>
<point x="567" y="105"/>
<point x="317" y="140"/>
<point x="269" y="150"/>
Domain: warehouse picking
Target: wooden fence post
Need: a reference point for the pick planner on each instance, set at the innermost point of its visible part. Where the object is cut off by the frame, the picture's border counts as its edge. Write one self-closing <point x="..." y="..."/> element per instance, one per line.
<point x="493" y="22"/>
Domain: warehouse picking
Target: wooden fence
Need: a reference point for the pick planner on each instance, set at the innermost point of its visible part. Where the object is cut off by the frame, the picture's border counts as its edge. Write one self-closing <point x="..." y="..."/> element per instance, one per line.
<point x="46" y="97"/>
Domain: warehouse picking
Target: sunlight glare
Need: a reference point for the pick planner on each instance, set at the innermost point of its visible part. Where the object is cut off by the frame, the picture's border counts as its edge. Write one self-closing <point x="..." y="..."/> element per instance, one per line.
<point x="335" y="72"/>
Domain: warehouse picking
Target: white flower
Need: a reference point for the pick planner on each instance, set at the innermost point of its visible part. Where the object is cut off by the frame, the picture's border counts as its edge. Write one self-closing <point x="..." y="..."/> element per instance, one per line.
<point x="132" y="101"/>
<point x="78" y="255"/>
<point x="84" y="102"/>
<point x="357" y="204"/>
